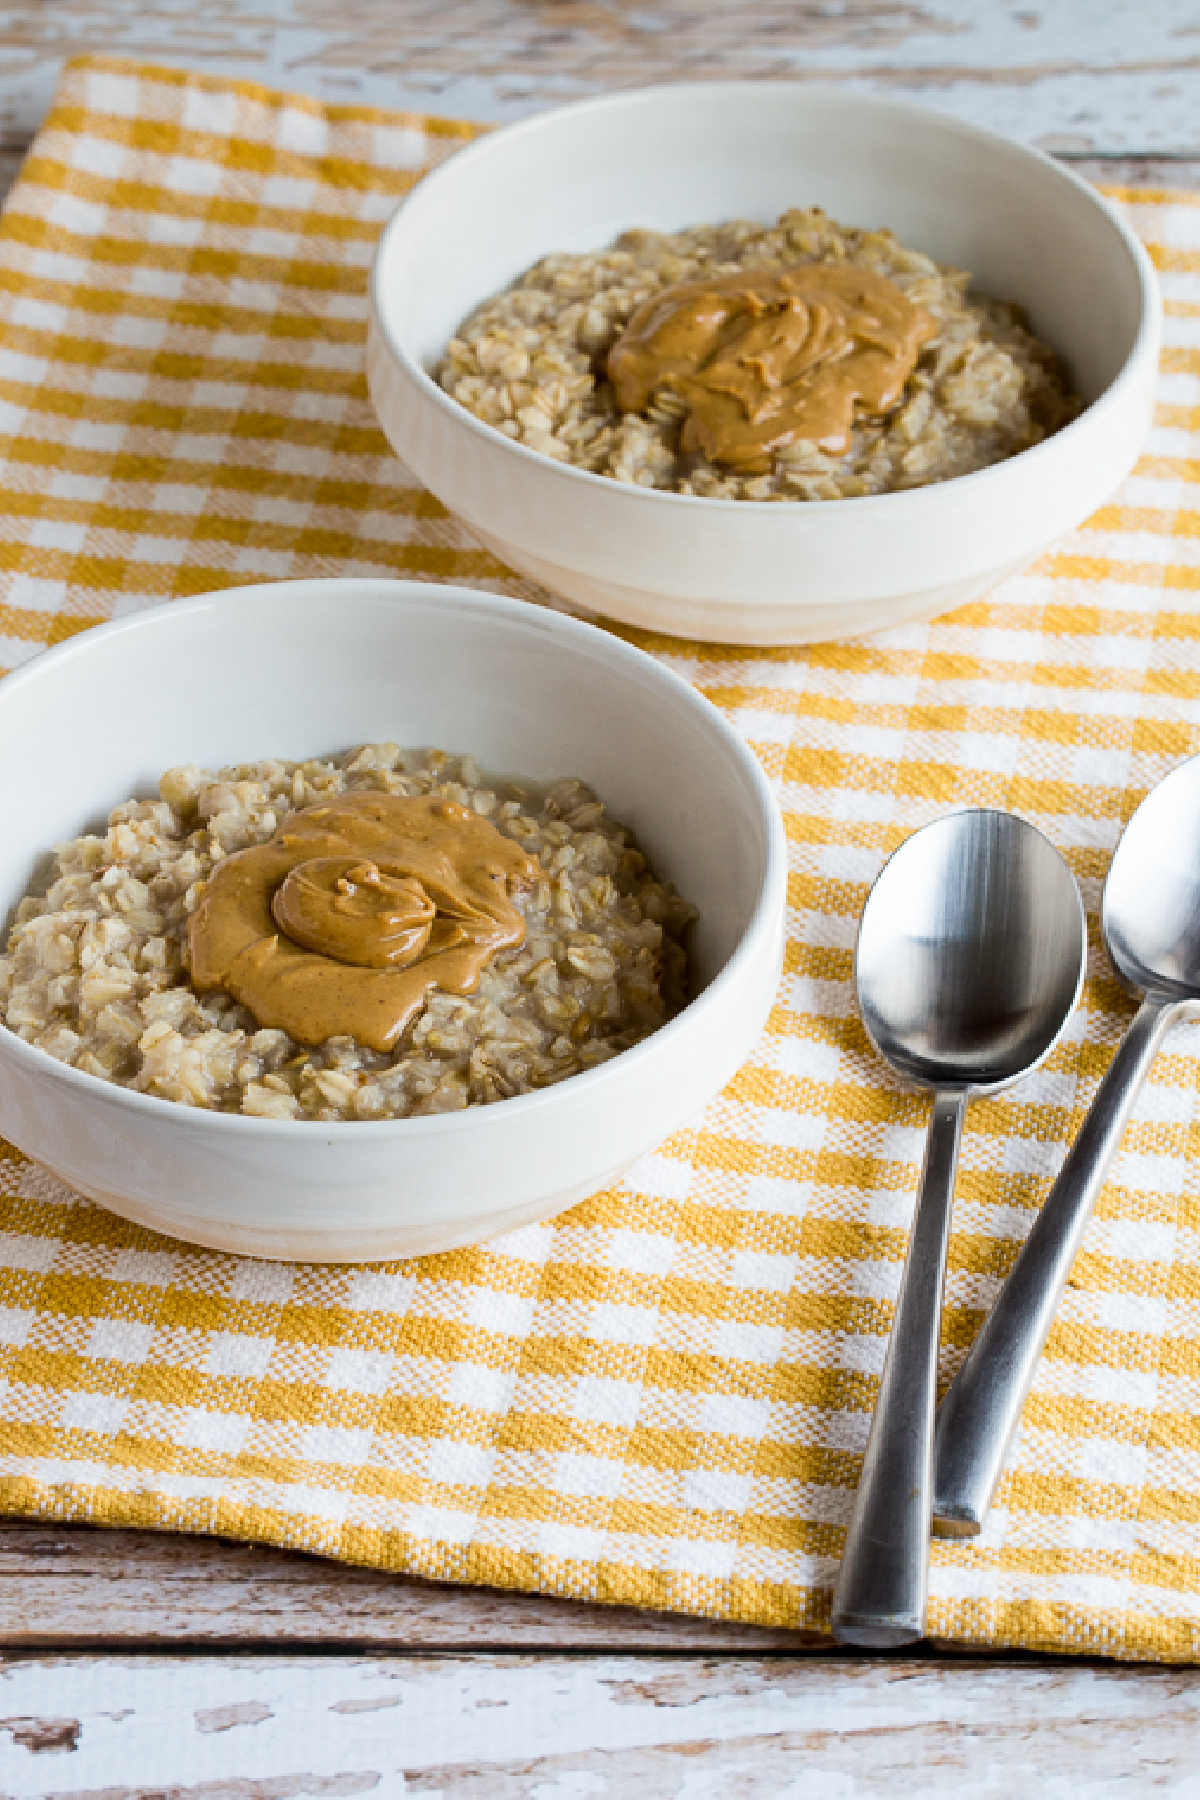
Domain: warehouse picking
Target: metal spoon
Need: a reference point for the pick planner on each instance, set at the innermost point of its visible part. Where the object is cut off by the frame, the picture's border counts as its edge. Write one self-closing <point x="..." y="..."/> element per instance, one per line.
<point x="1150" y="920"/>
<point x="970" y="958"/>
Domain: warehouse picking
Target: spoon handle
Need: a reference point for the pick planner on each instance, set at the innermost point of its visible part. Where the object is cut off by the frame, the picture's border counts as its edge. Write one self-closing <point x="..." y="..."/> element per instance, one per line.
<point x="978" y="1416"/>
<point x="880" y="1596"/>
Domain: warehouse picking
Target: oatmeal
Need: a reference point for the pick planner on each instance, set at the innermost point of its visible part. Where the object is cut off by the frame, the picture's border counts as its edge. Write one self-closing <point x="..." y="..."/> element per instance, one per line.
<point x="557" y="362"/>
<point x="98" y="969"/>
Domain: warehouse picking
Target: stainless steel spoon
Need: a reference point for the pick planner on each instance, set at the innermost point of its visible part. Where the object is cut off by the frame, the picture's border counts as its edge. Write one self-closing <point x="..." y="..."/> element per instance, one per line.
<point x="1150" y="920"/>
<point x="970" y="959"/>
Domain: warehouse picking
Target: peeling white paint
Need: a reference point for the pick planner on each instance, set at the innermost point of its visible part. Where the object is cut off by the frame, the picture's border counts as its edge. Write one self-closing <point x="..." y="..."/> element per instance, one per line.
<point x="567" y="1727"/>
<point x="1076" y="75"/>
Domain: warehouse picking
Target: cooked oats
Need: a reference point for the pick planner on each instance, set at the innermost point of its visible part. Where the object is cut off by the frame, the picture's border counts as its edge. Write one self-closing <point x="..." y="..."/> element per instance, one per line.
<point x="95" y="970"/>
<point x="530" y="361"/>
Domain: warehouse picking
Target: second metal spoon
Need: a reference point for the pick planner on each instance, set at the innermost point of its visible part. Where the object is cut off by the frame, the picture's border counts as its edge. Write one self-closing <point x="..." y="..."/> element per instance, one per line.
<point x="1150" y="920"/>
<point x="969" y="962"/>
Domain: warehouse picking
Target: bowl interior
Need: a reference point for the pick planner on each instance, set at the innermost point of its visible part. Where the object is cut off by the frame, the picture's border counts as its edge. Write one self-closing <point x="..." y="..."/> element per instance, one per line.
<point x="671" y="157"/>
<point x="309" y="668"/>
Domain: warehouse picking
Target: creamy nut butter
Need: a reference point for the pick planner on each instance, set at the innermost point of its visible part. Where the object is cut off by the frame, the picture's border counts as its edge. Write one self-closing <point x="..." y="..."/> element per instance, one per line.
<point x="345" y="920"/>
<point x="763" y="357"/>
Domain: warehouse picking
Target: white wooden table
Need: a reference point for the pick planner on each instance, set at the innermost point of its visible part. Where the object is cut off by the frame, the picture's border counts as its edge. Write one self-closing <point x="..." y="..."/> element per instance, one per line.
<point x="141" y="1665"/>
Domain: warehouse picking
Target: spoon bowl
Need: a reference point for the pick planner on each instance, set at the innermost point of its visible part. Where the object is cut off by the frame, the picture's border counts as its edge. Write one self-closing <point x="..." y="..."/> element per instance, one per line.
<point x="970" y="958"/>
<point x="969" y="952"/>
<point x="1150" y="915"/>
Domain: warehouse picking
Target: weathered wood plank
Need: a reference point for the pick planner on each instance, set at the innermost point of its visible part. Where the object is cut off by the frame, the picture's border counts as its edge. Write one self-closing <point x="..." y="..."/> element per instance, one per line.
<point x="67" y="1587"/>
<point x="1068" y="76"/>
<point x="1138" y="171"/>
<point x="505" y="1728"/>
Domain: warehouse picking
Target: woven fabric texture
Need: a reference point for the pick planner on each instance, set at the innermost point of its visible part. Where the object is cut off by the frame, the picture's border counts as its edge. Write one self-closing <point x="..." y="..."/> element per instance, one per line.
<point x="662" y="1397"/>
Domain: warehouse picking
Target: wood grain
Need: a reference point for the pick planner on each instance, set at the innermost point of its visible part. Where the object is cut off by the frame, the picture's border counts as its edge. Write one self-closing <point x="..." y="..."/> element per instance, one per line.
<point x="1138" y="171"/>
<point x="566" y="1728"/>
<point x="1069" y="75"/>
<point x="75" y="1587"/>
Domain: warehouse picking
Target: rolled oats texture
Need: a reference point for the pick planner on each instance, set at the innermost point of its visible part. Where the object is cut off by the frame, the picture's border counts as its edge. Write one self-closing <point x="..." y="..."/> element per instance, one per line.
<point x="95" y="971"/>
<point x="530" y="362"/>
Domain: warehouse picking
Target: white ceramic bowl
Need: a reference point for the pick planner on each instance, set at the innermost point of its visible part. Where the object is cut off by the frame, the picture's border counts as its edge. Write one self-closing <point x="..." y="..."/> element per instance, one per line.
<point x="304" y="668"/>
<point x="743" y="571"/>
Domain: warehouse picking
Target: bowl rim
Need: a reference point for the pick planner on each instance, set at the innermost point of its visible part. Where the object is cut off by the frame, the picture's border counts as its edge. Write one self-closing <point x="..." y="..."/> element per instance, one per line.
<point x="1143" y="349"/>
<point x="766" y="914"/>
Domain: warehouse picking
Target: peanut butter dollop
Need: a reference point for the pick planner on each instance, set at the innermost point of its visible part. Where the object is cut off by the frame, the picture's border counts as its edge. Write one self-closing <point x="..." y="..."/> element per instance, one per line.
<point x="765" y="356"/>
<point x="347" y="919"/>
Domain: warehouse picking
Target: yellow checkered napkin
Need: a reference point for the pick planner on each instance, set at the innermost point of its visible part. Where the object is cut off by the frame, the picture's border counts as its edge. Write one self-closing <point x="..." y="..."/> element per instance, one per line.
<point x="663" y="1397"/>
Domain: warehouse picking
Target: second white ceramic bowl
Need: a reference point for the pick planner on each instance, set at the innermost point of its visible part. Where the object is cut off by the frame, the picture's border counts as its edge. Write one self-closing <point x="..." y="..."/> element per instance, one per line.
<point x="298" y="669"/>
<point x="742" y="571"/>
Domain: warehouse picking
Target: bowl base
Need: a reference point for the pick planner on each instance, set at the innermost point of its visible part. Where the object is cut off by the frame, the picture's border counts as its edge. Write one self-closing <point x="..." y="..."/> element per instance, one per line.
<point x="341" y="1244"/>
<point x="755" y="623"/>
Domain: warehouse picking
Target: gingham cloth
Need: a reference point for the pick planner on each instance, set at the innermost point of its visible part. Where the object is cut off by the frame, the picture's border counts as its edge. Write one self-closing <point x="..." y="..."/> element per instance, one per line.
<point x="662" y="1397"/>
